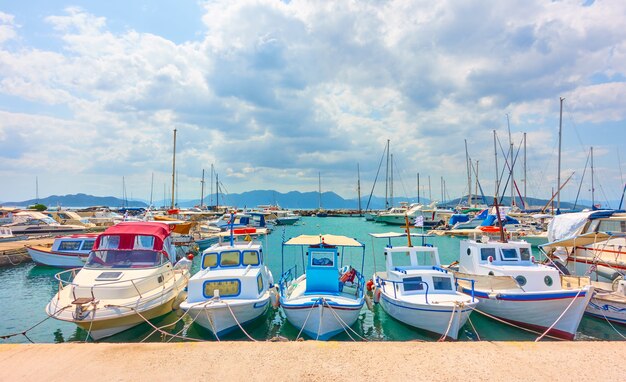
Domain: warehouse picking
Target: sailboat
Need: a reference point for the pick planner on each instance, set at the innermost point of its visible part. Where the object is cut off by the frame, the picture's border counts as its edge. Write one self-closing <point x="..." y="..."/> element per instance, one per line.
<point x="321" y="213"/>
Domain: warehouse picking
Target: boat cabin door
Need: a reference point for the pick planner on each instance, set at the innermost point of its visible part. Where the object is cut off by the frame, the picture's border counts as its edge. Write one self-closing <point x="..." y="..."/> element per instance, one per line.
<point x="322" y="271"/>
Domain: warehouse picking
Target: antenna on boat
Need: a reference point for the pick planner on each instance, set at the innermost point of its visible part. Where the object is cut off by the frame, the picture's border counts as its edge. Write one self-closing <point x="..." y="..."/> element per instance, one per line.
<point x="407" y="229"/>
<point x="173" y="170"/>
<point x="232" y="223"/>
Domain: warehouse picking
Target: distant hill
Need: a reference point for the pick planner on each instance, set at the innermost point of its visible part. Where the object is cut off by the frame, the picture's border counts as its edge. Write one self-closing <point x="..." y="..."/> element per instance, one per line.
<point x="78" y="200"/>
<point x="292" y="200"/>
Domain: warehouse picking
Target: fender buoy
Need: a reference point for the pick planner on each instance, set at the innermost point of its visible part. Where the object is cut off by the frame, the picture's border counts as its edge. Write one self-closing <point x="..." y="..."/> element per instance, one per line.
<point x="489" y="228"/>
<point x="368" y="302"/>
<point x="377" y="293"/>
<point x="369" y="285"/>
<point x="182" y="296"/>
<point x="274" y="300"/>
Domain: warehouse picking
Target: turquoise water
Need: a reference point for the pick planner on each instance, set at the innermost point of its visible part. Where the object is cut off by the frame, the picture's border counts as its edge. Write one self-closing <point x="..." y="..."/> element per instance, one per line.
<point x="26" y="289"/>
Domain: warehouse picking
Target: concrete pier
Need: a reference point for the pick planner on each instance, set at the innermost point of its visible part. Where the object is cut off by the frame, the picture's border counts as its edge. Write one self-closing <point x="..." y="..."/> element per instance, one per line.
<point x="14" y="252"/>
<point x="315" y="361"/>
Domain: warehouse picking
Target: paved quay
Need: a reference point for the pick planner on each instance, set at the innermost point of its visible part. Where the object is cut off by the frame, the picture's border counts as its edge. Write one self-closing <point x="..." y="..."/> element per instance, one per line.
<point x="14" y="252"/>
<point x="315" y="361"/>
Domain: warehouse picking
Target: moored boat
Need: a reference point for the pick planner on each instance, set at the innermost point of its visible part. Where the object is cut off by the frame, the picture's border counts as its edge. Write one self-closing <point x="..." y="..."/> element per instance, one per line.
<point x="128" y="278"/>
<point x="512" y="287"/>
<point x="418" y="292"/>
<point x="69" y="251"/>
<point x="323" y="301"/>
<point x="233" y="286"/>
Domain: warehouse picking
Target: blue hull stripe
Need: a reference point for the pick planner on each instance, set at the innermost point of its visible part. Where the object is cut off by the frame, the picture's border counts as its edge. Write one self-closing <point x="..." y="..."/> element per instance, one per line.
<point x="426" y="310"/>
<point x="527" y="296"/>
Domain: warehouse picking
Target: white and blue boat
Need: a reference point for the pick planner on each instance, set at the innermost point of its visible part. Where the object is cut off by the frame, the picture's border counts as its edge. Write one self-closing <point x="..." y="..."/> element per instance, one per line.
<point x="417" y="291"/>
<point x="327" y="299"/>
<point x="512" y="287"/>
<point x="233" y="286"/>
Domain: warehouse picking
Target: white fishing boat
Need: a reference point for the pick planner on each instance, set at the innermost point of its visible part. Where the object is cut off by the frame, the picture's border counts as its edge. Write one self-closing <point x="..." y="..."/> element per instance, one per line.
<point x="395" y="215"/>
<point x="69" y="251"/>
<point x="512" y="287"/>
<point x="323" y="301"/>
<point x="233" y="286"/>
<point x="36" y="223"/>
<point x="129" y="277"/>
<point x="415" y="290"/>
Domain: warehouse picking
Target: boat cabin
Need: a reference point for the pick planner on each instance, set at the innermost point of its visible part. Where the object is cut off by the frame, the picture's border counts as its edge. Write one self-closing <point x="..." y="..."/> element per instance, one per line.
<point x="513" y="258"/>
<point x="230" y="271"/>
<point x="74" y="243"/>
<point x="322" y="270"/>
<point x="133" y="245"/>
<point x="416" y="270"/>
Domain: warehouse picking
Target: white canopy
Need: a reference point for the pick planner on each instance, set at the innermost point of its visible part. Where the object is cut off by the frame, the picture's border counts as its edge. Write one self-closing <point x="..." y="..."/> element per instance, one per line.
<point x="582" y="240"/>
<point x="337" y="240"/>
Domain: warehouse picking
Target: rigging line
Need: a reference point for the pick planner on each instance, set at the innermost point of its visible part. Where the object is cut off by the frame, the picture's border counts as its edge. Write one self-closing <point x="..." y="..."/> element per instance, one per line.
<point x="510" y="166"/>
<point x="580" y="185"/>
<point x="375" y="179"/>
<point x="619" y="163"/>
<point x="406" y="195"/>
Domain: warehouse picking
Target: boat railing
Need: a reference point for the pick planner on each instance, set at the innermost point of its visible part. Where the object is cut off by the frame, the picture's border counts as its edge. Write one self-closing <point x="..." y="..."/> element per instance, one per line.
<point x="359" y="285"/>
<point x="286" y="278"/>
<point x="383" y="282"/>
<point x="66" y="278"/>
<point x="472" y="282"/>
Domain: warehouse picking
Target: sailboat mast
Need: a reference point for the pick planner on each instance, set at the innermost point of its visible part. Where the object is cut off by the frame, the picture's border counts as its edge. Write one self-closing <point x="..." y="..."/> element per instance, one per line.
<point x="202" y="190"/>
<point x="495" y="152"/>
<point x="430" y="193"/>
<point x="593" y="198"/>
<point x="173" y="170"/>
<point x="211" y="183"/>
<point x="558" y="175"/>
<point x="151" y="188"/>
<point x="512" y="172"/>
<point x="391" y="183"/>
<point x="476" y="185"/>
<point x="358" y="186"/>
<point x="217" y="191"/>
<point x="387" y="179"/>
<point x="468" y="165"/>
<point x="319" y="187"/>
<point x="418" y="188"/>
<point x="36" y="189"/>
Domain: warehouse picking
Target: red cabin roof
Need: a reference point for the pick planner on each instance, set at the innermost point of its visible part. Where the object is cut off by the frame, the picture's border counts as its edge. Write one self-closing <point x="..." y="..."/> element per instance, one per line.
<point x="127" y="231"/>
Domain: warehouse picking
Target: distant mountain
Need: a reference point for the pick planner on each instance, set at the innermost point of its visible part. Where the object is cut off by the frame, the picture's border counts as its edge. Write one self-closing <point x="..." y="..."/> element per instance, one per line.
<point x="78" y="200"/>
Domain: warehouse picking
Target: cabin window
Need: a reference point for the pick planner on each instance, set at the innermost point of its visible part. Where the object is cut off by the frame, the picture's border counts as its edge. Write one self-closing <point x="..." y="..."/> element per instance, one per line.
<point x="548" y="280"/>
<point x="524" y="253"/>
<point x="225" y="288"/>
<point x="509" y="254"/>
<point x="87" y="245"/>
<point x="251" y="258"/>
<point x="124" y="259"/>
<point x="73" y="245"/>
<point x="144" y="242"/>
<point x="521" y="280"/>
<point x="322" y="259"/>
<point x="229" y="259"/>
<point x="209" y="260"/>
<point x="259" y="282"/>
<point x="486" y="252"/>
<point x="412" y="283"/>
<point x="109" y="242"/>
<point x="442" y="283"/>
<point x="612" y="226"/>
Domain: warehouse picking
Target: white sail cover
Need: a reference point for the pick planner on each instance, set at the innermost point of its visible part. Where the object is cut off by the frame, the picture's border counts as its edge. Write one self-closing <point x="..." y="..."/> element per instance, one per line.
<point x="567" y="225"/>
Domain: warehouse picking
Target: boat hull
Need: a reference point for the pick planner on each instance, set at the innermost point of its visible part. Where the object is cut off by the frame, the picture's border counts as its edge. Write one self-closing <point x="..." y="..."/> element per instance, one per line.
<point x="429" y="317"/>
<point x="45" y="256"/>
<point x="287" y="220"/>
<point x="320" y="320"/>
<point x="609" y="309"/>
<point x="218" y="319"/>
<point x="537" y="311"/>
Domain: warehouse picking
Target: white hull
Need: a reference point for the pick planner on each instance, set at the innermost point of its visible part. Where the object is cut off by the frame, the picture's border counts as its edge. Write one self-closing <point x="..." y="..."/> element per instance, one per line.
<point x="393" y="219"/>
<point x="609" y="309"/>
<point x="287" y="220"/>
<point x="537" y="310"/>
<point x="319" y="321"/>
<point x="217" y="318"/>
<point x="429" y="317"/>
<point x="52" y="259"/>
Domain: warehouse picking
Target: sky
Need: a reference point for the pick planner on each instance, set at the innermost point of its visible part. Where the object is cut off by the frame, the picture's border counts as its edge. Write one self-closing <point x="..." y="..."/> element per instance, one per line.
<point x="276" y="93"/>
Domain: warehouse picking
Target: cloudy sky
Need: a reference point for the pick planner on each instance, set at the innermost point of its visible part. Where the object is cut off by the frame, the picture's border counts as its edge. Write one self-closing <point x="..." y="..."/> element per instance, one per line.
<point x="273" y="92"/>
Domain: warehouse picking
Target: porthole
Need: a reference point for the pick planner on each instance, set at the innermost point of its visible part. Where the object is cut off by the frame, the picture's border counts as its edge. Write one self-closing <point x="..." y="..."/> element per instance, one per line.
<point x="469" y="251"/>
<point x="521" y="280"/>
<point x="548" y="280"/>
<point x="490" y="273"/>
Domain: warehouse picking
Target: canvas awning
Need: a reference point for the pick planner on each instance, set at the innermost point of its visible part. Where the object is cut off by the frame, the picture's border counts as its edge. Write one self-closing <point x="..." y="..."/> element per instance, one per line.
<point x="582" y="240"/>
<point x="387" y="235"/>
<point x="336" y="240"/>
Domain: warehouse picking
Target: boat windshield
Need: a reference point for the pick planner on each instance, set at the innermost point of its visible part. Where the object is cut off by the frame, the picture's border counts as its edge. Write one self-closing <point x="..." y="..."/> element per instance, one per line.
<point x="125" y="259"/>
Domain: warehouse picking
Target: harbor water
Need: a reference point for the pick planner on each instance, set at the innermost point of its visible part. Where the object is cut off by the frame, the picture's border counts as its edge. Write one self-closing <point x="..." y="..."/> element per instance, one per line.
<point x="26" y="289"/>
